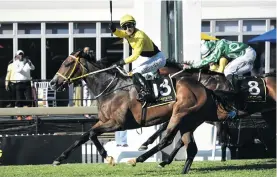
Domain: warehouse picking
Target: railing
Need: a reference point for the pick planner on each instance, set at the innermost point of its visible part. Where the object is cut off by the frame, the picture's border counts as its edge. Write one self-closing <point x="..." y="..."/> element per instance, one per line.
<point x="58" y="115"/>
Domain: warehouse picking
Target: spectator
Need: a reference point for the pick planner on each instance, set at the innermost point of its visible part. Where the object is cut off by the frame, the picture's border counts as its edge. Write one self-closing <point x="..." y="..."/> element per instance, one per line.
<point x="87" y="96"/>
<point x="9" y="84"/>
<point x="121" y="138"/>
<point x="22" y="68"/>
<point x="86" y="50"/>
<point x="77" y="96"/>
<point x="88" y="54"/>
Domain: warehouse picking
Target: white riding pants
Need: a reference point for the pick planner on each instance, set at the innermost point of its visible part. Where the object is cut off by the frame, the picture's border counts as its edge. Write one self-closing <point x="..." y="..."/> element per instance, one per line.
<point x="151" y="64"/>
<point x="242" y="64"/>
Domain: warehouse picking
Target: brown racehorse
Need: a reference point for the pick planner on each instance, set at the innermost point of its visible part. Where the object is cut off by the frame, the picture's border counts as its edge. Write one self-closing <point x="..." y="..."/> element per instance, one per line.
<point x="217" y="81"/>
<point x="118" y="108"/>
<point x="213" y="81"/>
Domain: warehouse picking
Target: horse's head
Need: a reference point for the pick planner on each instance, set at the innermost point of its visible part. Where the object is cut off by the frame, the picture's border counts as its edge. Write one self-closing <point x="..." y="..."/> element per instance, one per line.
<point x="74" y="67"/>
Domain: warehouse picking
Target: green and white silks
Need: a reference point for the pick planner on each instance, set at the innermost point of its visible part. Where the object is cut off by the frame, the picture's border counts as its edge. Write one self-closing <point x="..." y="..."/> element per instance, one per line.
<point x="241" y="57"/>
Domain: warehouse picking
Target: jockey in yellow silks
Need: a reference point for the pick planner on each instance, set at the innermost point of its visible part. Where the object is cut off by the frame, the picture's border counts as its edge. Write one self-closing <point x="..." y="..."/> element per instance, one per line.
<point x="144" y="50"/>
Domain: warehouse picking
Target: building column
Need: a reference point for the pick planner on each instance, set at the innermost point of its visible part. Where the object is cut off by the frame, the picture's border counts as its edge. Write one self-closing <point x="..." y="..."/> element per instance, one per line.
<point x="191" y="29"/>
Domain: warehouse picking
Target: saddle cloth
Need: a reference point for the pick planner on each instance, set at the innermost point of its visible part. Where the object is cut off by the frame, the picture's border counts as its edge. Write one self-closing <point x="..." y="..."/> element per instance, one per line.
<point x="164" y="91"/>
<point x="253" y="89"/>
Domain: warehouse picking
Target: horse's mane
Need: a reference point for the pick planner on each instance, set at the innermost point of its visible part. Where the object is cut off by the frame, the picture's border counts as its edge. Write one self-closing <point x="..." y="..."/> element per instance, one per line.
<point x="103" y="63"/>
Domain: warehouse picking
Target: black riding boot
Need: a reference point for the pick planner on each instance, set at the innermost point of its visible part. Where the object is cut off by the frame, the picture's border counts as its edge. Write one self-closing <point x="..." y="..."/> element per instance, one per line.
<point x="145" y="92"/>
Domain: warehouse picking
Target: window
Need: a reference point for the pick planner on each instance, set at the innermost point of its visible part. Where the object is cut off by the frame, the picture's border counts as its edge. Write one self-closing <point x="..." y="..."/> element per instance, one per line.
<point x="6" y="28"/>
<point x="57" y="28"/>
<point x="272" y="24"/>
<point x="32" y="49"/>
<point x="273" y="57"/>
<point x="112" y="48"/>
<point x="254" y="26"/>
<point x="29" y="28"/>
<point x="84" y="28"/>
<point x="226" y="26"/>
<point x="260" y="51"/>
<point x="171" y="30"/>
<point x="105" y="27"/>
<point x="206" y="26"/>
<point x="229" y="38"/>
<point x="56" y="53"/>
<point x="6" y="55"/>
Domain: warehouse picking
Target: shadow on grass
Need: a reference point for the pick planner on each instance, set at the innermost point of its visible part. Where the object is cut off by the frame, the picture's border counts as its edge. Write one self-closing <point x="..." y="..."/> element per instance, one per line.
<point x="242" y="167"/>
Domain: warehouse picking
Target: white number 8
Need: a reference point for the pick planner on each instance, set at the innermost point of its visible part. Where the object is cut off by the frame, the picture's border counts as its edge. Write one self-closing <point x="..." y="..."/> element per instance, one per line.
<point x="254" y="85"/>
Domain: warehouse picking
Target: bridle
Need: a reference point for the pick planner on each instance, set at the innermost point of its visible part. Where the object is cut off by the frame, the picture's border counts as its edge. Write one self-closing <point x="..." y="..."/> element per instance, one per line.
<point x="68" y="78"/>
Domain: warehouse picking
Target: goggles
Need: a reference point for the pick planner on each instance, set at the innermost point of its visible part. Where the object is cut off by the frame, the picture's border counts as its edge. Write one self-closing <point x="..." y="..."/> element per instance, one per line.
<point x="128" y="25"/>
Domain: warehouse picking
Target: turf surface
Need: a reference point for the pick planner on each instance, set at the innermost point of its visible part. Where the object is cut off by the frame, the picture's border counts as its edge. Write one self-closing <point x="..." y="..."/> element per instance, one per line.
<point x="239" y="168"/>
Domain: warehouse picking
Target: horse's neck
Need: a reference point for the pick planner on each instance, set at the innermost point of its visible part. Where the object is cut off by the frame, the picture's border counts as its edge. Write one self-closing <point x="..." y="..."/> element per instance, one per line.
<point x="106" y="83"/>
<point x="98" y="82"/>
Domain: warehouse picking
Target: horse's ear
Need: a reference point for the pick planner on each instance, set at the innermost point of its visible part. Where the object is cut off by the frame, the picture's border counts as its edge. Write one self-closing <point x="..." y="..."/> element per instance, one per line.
<point x="81" y="52"/>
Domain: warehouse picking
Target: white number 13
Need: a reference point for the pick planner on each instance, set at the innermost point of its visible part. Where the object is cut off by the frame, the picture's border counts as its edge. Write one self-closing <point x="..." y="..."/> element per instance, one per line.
<point x="163" y="86"/>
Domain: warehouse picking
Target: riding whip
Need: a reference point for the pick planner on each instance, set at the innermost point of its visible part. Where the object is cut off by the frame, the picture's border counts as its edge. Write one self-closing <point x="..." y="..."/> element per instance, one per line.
<point x="111" y="12"/>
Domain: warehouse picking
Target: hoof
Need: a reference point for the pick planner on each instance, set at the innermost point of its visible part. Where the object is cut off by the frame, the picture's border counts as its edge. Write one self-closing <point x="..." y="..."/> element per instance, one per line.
<point x="143" y="148"/>
<point x="110" y="160"/>
<point x="132" y="162"/>
<point x="223" y="160"/>
<point x="162" y="164"/>
<point x="56" y="163"/>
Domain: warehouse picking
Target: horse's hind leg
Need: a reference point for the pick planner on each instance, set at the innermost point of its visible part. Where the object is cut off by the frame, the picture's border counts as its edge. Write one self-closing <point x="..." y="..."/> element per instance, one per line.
<point x="173" y="154"/>
<point x="192" y="150"/>
<point x="150" y="140"/>
<point x="84" y="138"/>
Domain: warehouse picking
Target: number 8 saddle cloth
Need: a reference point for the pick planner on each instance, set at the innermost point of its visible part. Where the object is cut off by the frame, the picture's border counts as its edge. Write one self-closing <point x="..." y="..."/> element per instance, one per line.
<point x="252" y="89"/>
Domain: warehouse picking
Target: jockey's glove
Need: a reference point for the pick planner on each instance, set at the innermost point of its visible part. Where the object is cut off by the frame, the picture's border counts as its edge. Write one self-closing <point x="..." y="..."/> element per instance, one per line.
<point x="112" y="27"/>
<point x="120" y="63"/>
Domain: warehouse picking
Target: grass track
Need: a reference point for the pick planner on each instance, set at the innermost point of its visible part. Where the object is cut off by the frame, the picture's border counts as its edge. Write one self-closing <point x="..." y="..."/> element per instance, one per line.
<point x="239" y="168"/>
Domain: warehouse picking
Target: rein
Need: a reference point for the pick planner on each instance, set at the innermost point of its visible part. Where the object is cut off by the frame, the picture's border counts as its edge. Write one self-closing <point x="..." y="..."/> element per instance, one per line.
<point x="84" y="68"/>
<point x="106" y="87"/>
<point x="77" y="61"/>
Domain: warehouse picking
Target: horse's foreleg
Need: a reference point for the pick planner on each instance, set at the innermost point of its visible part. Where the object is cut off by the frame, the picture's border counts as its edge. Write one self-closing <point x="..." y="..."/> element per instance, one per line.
<point x="150" y="140"/>
<point x="84" y="138"/>
<point x="173" y="154"/>
<point x="109" y="126"/>
<point x="192" y="150"/>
